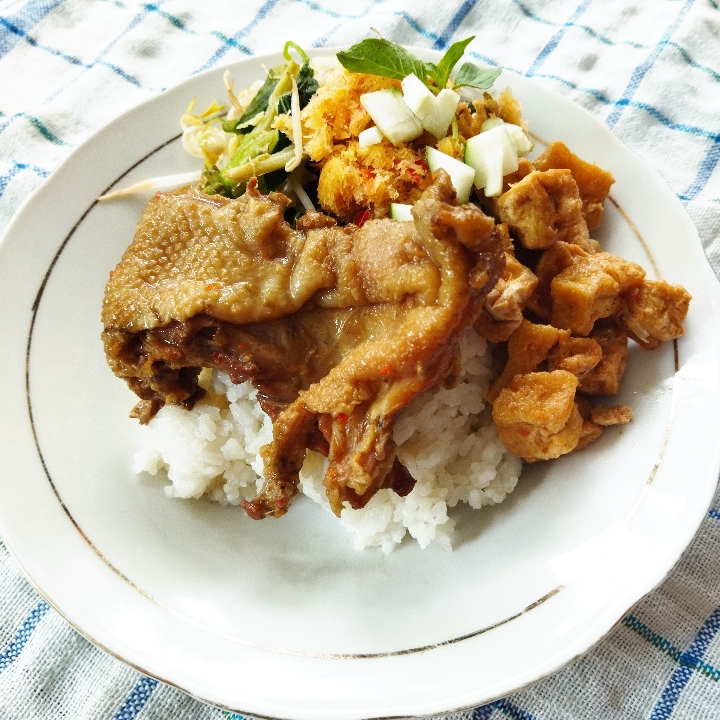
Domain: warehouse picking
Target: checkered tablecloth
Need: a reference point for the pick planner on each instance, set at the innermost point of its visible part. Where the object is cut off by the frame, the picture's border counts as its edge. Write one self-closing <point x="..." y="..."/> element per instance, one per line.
<point x="648" y="69"/>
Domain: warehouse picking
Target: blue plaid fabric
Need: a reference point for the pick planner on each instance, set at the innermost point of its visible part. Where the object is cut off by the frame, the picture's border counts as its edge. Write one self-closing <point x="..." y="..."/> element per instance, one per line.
<point x="649" y="69"/>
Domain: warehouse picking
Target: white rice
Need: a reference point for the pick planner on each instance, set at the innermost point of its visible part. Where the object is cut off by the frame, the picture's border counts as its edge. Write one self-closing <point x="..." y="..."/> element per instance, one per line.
<point x="445" y="438"/>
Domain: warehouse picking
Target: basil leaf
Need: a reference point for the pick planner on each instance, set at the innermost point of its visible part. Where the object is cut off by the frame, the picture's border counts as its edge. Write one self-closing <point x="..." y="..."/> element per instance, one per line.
<point x="377" y="56"/>
<point x="470" y="75"/>
<point x="259" y="103"/>
<point x="307" y="85"/>
<point x="449" y="61"/>
<point x="432" y="72"/>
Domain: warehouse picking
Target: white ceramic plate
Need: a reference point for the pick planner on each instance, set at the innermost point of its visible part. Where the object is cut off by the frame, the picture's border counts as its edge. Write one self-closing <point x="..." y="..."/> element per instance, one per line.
<point x="281" y="618"/>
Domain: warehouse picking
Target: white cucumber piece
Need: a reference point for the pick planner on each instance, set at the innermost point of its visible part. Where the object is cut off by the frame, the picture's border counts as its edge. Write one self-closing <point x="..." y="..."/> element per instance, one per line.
<point x="393" y="117"/>
<point x="462" y="175"/>
<point x="371" y="136"/>
<point x="519" y="139"/>
<point x="401" y="212"/>
<point x="492" y="155"/>
<point x="435" y="113"/>
<point x="491" y="123"/>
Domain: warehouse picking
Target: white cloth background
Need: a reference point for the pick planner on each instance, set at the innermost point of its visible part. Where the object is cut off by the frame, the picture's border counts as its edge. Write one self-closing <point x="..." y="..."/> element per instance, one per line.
<point x="649" y="69"/>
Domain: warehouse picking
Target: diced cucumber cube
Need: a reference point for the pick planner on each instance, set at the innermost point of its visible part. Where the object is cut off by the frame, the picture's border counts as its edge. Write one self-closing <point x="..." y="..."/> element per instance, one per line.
<point x="492" y="155"/>
<point x="401" y="212"/>
<point x="435" y="113"/>
<point x="371" y="136"/>
<point x="462" y="175"/>
<point x="390" y="113"/>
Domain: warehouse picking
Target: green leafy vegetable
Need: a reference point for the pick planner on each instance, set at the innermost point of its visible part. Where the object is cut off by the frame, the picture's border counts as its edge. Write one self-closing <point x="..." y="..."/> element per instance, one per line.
<point x="377" y="56"/>
<point x="306" y="84"/>
<point x="254" y="144"/>
<point x="470" y="75"/>
<point x="262" y="150"/>
<point x="258" y="105"/>
<point x="441" y="73"/>
<point x="212" y="183"/>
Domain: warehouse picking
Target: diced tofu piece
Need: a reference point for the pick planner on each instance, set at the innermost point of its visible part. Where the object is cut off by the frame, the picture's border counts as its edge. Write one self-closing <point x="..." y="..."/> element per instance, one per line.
<point x="655" y="312"/>
<point x="591" y="288"/>
<point x="544" y="207"/>
<point x="607" y="416"/>
<point x="525" y="167"/>
<point x="537" y="417"/>
<point x="503" y="308"/>
<point x="551" y="263"/>
<point x="604" y="378"/>
<point x="576" y="355"/>
<point x="528" y="346"/>
<point x="593" y="182"/>
<point x="590" y="431"/>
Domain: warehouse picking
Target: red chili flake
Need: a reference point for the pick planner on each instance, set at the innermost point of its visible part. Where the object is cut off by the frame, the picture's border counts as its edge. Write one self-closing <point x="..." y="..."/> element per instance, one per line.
<point x="386" y="371"/>
<point x="342" y="418"/>
<point x="217" y="357"/>
<point x="212" y="286"/>
<point x="524" y="431"/>
<point x="158" y="194"/>
<point x="414" y="176"/>
<point x="362" y="217"/>
<point x="423" y="164"/>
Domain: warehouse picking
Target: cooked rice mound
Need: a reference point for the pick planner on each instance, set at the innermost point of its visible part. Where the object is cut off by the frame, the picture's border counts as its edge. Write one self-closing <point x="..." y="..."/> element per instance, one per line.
<point x="446" y="439"/>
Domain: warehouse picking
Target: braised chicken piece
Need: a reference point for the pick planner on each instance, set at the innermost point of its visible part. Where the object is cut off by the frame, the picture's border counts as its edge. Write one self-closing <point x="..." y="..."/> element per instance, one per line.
<point x="356" y="403"/>
<point x="593" y="287"/>
<point x="338" y="328"/>
<point x="593" y="182"/>
<point x="545" y="207"/>
<point x="604" y="378"/>
<point x="537" y="416"/>
<point x="655" y="312"/>
<point x="503" y="308"/>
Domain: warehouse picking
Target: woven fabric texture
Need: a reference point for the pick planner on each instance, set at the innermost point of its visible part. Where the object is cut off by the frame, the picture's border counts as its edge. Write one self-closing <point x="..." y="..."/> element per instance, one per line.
<point x="648" y="69"/>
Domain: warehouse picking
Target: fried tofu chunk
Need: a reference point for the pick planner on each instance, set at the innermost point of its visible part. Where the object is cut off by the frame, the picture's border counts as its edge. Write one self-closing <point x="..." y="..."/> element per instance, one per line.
<point x="655" y="312"/>
<point x="590" y="431"/>
<point x="604" y="378"/>
<point x="503" y="308"/>
<point x="593" y="287"/>
<point x="552" y="262"/>
<point x="576" y="355"/>
<point x="607" y="416"/>
<point x="544" y="207"/>
<point x="537" y="416"/>
<point x="528" y="346"/>
<point x="593" y="182"/>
